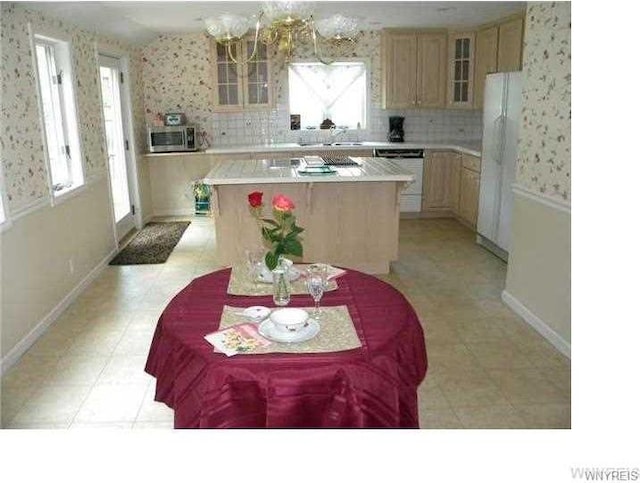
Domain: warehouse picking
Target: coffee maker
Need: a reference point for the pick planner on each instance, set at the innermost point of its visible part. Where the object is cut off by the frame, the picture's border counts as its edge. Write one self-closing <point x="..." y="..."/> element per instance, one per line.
<point x="396" y="130"/>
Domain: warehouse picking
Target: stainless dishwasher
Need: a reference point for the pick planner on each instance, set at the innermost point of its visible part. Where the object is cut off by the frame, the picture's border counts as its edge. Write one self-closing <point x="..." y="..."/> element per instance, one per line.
<point x="411" y="160"/>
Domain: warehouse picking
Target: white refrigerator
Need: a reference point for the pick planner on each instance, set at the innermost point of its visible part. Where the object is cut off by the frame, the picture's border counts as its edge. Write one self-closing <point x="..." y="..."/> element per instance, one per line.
<point x="501" y="116"/>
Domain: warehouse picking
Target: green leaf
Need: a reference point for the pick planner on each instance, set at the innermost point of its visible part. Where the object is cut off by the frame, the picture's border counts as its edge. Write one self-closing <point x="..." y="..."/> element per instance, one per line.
<point x="292" y="246"/>
<point x="296" y="230"/>
<point x="271" y="259"/>
<point x="270" y="222"/>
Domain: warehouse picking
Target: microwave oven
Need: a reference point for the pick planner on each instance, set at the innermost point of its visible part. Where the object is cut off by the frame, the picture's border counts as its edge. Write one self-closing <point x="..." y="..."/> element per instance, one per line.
<point x="167" y="139"/>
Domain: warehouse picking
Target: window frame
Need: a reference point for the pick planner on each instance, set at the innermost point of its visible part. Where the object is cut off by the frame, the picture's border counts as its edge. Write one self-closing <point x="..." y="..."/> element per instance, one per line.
<point x="368" y="102"/>
<point x="62" y="50"/>
<point x="5" y="219"/>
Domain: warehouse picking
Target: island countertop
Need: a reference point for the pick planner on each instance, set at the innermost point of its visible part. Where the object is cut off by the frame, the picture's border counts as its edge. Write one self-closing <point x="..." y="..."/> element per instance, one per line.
<point x="265" y="171"/>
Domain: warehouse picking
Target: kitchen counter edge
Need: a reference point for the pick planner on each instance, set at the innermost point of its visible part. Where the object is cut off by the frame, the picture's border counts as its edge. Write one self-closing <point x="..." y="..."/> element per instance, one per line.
<point x="473" y="148"/>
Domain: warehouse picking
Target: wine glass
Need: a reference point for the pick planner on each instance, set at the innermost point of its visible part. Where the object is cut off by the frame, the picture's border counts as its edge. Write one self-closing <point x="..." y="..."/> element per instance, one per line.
<point x="315" y="286"/>
<point x="254" y="264"/>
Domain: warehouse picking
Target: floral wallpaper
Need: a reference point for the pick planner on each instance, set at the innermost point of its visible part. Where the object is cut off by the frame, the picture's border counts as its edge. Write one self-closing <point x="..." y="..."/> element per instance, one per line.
<point x="21" y="141"/>
<point x="177" y="77"/>
<point x="544" y="161"/>
<point x="177" y="72"/>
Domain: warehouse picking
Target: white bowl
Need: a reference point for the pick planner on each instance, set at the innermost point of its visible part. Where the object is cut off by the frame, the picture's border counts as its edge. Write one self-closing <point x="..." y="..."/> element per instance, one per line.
<point x="289" y="319"/>
<point x="257" y="313"/>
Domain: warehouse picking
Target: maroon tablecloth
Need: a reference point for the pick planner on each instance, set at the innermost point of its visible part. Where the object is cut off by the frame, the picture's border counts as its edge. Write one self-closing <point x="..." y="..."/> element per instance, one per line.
<point x="371" y="387"/>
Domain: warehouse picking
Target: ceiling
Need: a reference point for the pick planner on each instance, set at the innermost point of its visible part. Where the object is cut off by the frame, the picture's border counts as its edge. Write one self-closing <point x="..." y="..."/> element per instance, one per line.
<point x="139" y="22"/>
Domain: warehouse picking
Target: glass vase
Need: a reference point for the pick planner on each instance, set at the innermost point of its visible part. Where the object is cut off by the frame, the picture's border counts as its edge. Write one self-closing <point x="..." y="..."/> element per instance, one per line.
<point x="281" y="285"/>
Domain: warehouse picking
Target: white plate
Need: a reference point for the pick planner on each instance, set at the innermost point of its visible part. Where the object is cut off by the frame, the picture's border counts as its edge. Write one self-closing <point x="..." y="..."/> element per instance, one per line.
<point x="268" y="329"/>
<point x="267" y="277"/>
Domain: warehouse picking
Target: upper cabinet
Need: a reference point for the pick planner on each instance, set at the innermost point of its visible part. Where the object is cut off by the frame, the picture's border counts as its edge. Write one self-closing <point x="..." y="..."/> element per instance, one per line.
<point x="486" y="61"/>
<point x="414" y="68"/>
<point x="510" y="45"/>
<point x="432" y="69"/>
<point x="498" y="49"/>
<point x="461" y="67"/>
<point x="242" y="85"/>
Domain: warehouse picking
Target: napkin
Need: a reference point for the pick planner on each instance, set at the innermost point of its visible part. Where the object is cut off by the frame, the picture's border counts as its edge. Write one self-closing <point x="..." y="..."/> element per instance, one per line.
<point x="238" y="339"/>
<point x="334" y="272"/>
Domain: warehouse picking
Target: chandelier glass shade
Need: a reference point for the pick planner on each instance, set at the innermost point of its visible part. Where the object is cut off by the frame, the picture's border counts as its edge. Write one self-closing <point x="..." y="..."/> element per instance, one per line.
<point x="285" y="24"/>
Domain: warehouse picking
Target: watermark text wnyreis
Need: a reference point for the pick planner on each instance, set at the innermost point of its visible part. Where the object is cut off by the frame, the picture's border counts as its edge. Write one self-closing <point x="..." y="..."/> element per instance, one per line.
<point x="605" y="474"/>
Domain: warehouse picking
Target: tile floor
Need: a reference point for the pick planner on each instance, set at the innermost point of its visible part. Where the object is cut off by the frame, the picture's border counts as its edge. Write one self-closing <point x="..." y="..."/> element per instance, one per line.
<point x="487" y="368"/>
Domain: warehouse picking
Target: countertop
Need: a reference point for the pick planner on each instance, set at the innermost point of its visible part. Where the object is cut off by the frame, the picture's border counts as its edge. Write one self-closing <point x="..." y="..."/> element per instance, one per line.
<point x="265" y="172"/>
<point x="473" y="147"/>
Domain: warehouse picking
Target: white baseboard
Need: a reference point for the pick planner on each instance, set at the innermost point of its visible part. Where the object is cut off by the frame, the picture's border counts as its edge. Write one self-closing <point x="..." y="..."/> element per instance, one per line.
<point x="23" y="346"/>
<point x="537" y="323"/>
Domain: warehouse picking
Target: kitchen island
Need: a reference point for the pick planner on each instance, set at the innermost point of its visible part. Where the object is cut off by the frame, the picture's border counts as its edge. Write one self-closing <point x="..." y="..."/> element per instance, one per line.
<point x="351" y="217"/>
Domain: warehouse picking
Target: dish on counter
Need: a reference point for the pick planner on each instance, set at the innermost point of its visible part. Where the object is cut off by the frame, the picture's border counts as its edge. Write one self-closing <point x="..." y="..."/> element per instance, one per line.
<point x="317" y="170"/>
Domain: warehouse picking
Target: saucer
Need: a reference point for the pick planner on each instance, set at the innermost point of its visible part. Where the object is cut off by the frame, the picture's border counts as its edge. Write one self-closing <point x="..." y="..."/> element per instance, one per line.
<point x="267" y="277"/>
<point x="268" y="329"/>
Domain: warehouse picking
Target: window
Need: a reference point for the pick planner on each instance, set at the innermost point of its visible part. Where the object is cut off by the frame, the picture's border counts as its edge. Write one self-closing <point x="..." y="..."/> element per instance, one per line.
<point x="53" y="60"/>
<point x="337" y="92"/>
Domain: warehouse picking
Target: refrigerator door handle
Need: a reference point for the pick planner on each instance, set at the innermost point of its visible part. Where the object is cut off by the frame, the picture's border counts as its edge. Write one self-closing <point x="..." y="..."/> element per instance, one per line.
<point x="498" y="138"/>
<point x="497" y="141"/>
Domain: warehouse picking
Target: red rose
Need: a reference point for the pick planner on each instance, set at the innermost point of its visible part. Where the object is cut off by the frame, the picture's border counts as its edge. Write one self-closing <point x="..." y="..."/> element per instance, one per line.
<point x="255" y="199"/>
<point x="282" y="203"/>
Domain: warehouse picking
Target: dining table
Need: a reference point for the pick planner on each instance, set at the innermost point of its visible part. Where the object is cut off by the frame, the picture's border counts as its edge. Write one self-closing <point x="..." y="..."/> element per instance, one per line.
<point x="374" y="385"/>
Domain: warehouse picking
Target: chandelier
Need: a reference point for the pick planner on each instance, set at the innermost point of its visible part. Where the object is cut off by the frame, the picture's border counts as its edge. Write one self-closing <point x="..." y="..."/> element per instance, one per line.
<point x="282" y="24"/>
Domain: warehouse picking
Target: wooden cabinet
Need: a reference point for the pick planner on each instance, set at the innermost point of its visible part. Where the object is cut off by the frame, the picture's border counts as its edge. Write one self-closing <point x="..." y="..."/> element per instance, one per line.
<point x="451" y="186"/>
<point x="455" y="166"/>
<point x="498" y="49"/>
<point x="460" y="70"/>
<point x="437" y="181"/>
<point x="414" y="69"/>
<point x="469" y="190"/>
<point x="243" y="85"/>
<point x="431" y="70"/>
<point x="510" y="45"/>
<point x="486" y="61"/>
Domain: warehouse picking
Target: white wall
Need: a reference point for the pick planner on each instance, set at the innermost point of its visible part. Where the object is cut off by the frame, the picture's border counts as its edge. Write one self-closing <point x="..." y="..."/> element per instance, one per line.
<point x="37" y="254"/>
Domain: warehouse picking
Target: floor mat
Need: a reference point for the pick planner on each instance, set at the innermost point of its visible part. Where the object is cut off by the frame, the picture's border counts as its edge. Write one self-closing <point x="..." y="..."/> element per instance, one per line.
<point x="153" y="244"/>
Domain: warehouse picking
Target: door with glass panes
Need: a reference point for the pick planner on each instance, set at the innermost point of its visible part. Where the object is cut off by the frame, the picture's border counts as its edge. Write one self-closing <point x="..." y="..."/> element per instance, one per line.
<point x="117" y="144"/>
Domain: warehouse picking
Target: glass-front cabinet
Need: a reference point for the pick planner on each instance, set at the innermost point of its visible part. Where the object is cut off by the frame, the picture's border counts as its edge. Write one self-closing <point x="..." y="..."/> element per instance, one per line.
<point x="461" y="64"/>
<point x="245" y="84"/>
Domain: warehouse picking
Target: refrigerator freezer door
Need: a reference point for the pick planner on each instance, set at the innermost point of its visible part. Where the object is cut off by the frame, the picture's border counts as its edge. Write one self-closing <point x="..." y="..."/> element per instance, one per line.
<point x="513" y="109"/>
<point x="492" y="140"/>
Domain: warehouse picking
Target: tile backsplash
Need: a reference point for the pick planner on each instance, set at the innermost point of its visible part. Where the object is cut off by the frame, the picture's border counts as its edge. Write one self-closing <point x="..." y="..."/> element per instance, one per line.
<point x="254" y="128"/>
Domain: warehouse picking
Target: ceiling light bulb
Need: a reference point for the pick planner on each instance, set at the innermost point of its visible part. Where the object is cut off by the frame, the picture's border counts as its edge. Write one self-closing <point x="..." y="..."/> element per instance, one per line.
<point x="227" y="26"/>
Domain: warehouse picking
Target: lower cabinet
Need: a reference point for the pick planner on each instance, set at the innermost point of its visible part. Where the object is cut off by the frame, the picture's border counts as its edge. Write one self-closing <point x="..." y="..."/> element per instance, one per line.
<point x="451" y="186"/>
<point x="437" y="181"/>
<point x="469" y="194"/>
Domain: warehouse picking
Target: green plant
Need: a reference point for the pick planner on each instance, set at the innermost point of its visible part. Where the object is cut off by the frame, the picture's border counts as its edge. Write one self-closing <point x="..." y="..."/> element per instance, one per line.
<point x="201" y="191"/>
